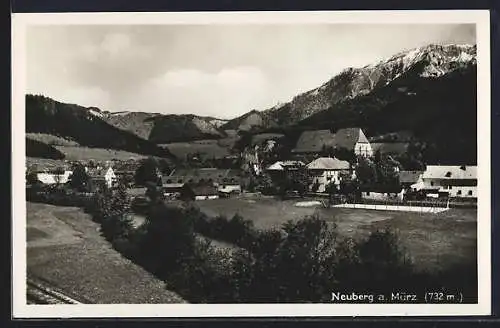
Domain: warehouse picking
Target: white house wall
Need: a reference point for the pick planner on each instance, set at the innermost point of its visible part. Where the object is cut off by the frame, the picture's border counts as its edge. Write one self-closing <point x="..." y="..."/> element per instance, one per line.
<point x="461" y="191"/>
<point x="206" y="197"/>
<point x="325" y="178"/>
<point x="50" y="178"/>
<point x="363" y="149"/>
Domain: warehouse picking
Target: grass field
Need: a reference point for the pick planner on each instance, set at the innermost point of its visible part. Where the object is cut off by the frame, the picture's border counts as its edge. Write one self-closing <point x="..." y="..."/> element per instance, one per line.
<point x="45" y="163"/>
<point x="66" y="249"/>
<point x="431" y="240"/>
<point x="51" y="139"/>
<point x="207" y="148"/>
<point x="97" y="154"/>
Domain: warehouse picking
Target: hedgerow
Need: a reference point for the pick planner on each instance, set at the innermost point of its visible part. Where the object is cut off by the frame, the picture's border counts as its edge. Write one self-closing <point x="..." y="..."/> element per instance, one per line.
<point x="303" y="261"/>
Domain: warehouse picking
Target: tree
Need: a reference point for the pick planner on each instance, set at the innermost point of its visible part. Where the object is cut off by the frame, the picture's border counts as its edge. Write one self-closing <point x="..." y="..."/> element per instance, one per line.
<point x="366" y="171"/>
<point x="154" y="192"/>
<point x="297" y="180"/>
<point x="79" y="179"/>
<point x="31" y="177"/>
<point x="164" y="166"/>
<point x="148" y="171"/>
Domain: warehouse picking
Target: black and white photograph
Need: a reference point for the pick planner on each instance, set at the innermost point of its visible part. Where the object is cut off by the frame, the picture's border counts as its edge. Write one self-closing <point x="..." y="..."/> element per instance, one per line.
<point x="251" y="164"/>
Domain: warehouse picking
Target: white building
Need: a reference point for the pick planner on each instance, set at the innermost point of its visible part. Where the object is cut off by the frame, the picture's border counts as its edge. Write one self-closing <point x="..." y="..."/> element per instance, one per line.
<point x="355" y="139"/>
<point x="102" y="173"/>
<point x="455" y="181"/>
<point x="326" y="170"/>
<point x="52" y="177"/>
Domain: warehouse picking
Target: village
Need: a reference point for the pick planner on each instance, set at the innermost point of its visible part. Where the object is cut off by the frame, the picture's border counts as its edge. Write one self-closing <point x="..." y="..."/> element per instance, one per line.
<point x="307" y="172"/>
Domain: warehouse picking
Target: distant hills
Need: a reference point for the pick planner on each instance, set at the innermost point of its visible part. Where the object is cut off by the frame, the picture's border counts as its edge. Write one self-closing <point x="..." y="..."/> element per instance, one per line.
<point x="429" y="92"/>
<point x="163" y="129"/>
<point x="81" y="125"/>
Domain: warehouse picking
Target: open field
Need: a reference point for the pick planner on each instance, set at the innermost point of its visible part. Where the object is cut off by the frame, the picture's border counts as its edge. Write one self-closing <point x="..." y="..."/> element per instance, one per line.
<point x="97" y="154"/>
<point x="66" y="249"/>
<point x="45" y="163"/>
<point x="431" y="240"/>
<point x="207" y="148"/>
<point x="51" y="139"/>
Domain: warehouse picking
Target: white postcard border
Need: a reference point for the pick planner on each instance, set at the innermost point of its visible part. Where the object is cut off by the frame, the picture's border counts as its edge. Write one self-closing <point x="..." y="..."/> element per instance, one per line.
<point x="22" y="310"/>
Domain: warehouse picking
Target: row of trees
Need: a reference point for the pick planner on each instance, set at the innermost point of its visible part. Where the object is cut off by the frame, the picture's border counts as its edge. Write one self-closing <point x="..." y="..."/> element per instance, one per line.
<point x="301" y="261"/>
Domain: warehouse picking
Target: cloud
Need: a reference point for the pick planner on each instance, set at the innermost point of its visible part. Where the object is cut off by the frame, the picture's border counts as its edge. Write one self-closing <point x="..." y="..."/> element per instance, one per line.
<point x="223" y="94"/>
<point x="213" y="69"/>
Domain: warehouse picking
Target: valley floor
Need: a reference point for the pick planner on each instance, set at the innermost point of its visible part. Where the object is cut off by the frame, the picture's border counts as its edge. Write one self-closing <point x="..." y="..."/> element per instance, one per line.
<point x="65" y="248"/>
<point x="433" y="241"/>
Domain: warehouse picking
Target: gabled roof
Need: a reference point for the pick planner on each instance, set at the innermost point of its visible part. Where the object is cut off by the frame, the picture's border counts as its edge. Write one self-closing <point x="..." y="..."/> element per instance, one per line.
<point x="328" y="163"/>
<point x="203" y="174"/>
<point x="347" y="138"/>
<point x="173" y="185"/>
<point x="409" y="176"/>
<point x="313" y="141"/>
<point x="281" y="165"/>
<point x="450" y="172"/>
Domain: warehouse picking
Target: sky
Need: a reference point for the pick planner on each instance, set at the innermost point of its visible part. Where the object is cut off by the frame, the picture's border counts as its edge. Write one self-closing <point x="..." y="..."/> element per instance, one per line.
<point x="210" y="70"/>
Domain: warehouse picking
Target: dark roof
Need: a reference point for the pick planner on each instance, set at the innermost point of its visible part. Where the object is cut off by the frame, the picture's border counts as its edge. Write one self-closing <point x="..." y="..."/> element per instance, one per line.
<point x="409" y="176"/>
<point x="347" y="138"/>
<point x="204" y="174"/>
<point x="313" y="141"/>
<point x="390" y="147"/>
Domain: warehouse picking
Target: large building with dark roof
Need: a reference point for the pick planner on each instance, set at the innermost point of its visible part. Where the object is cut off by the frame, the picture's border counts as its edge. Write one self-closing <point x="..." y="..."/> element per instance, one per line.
<point x="197" y="176"/>
<point x="315" y="141"/>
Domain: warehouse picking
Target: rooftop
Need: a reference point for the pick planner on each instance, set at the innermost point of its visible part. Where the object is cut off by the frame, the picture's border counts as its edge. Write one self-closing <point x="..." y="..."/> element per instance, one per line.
<point x="450" y="172"/>
<point x="314" y="141"/>
<point x="281" y="165"/>
<point x="328" y="163"/>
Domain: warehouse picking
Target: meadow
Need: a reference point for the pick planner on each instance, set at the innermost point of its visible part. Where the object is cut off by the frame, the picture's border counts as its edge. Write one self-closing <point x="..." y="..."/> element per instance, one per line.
<point x="206" y="148"/>
<point x="80" y="153"/>
<point x="66" y="248"/>
<point x="432" y="241"/>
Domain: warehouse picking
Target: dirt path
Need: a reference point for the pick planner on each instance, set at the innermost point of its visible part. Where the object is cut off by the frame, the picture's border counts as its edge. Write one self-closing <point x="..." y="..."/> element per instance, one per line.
<point x="66" y="249"/>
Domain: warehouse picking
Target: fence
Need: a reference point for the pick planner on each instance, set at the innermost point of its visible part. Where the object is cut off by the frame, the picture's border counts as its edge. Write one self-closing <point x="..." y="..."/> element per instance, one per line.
<point x="446" y="203"/>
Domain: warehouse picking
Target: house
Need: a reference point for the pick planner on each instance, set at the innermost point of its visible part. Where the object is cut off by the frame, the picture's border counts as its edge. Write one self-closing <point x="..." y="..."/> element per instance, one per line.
<point x="172" y="189"/>
<point x="213" y="176"/>
<point x="352" y="139"/>
<point x="125" y="168"/>
<point x="408" y="178"/>
<point x="54" y="176"/>
<point x="313" y="142"/>
<point x="229" y="189"/>
<point x="447" y="180"/>
<point x="280" y="170"/>
<point x="326" y="170"/>
<point x="199" y="192"/>
<point x="102" y="175"/>
<point x="281" y="166"/>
